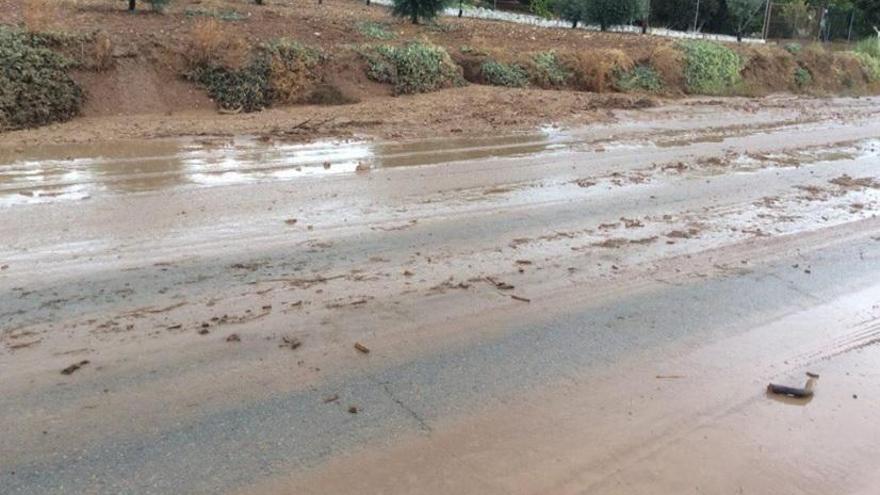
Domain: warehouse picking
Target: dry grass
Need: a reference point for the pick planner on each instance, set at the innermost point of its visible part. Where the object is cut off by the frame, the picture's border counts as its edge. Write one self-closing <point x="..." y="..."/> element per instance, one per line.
<point x="669" y="64"/>
<point x="40" y="16"/>
<point x="102" y="51"/>
<point x="290" y="79"/>
<point x="213" y="43"/>
<point x="594" y="70"/>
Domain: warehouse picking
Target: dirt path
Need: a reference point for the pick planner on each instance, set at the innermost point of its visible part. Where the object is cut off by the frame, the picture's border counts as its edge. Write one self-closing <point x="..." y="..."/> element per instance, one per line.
<point x="519" y="295"/>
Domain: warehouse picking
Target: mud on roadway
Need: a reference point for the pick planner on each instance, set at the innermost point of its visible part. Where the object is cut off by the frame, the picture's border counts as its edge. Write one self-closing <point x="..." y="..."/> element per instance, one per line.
<point x="591" y="308"/>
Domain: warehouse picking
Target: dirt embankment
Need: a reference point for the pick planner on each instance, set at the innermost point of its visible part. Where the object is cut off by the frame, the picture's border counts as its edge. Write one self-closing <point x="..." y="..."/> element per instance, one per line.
<point x="189" y="57"/>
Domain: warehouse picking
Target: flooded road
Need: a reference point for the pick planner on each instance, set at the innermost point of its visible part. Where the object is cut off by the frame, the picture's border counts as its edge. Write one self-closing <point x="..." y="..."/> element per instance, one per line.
<point x="591" y="310"/>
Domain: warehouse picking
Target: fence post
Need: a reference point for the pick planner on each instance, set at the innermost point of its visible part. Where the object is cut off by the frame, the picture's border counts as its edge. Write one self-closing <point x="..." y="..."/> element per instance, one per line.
<point x="852" y="16"/>
<point x="767" y="13"/>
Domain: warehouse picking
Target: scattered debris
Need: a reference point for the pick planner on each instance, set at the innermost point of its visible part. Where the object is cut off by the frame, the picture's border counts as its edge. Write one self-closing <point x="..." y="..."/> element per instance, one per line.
<point x="175" y="327"/>
<point x="669" y="377"/>
<point x="292" y="342"/>
<point x="353" y="410"/>
<point x="500" y="285"/>
<point x="800" y="393"/>
<point x="523" y="262"/>
<point x="73" y="367"/>
<point x="4" y="267"/>
<point x="407" y="273"/>
<point x="362" y="167"/>
<point x="518" y="298"/>
<point x="291" y="221"/>
<point x="203" y="331"/>
<point x="361" y="348"/>
<point x="331" y="398"/>
<point x="233" y="338"/>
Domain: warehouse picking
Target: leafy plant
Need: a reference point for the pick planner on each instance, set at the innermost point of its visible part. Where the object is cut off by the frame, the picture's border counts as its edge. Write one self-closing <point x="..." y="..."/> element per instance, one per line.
<point x="710" y="68"/>
<point x="376" y="31"/>
<point x="35" y="88"/>
<point x="639" y="78"/>
<point x="802" y="77"/>
<point x="793" y="48"/>
<point x="548" y="71"/>
<point x="500" y="74"/>
<point x="416" y="67"/>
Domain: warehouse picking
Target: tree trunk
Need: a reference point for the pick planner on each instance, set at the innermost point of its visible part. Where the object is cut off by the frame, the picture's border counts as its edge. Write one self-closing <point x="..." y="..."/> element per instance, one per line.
<point x="574" y="24"/>
<point x="414" y="18"/>
<point x="131" y="5"/>
<point x="460" y="8"/>
<point x="739" y="37"/>
<point x="603" y="26"/>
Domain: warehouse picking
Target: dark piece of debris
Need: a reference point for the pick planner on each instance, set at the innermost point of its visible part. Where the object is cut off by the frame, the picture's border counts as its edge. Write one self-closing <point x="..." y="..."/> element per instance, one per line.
<point x="233" y="338"/>
<point x="291" y="221"/>
<point x="73" y="367"/>
<point x="353" y="410"/>
<point x="800" y="393"/>
<point x="292" y="342"/>
<point x="331" y="398"/>
<point x="361" y="348"/>
<point x="521" y="299"/>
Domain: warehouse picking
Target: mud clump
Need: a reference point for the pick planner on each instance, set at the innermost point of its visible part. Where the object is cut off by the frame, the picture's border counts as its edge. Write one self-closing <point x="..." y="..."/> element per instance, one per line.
<point x="73" y="368"/>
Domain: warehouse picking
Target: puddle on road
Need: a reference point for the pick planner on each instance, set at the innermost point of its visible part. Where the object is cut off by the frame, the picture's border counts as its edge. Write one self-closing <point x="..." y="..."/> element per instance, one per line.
<point x="75" y="172"/>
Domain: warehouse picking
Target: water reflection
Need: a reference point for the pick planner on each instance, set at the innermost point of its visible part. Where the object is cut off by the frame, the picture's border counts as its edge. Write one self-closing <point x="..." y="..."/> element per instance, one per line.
<point x="76" y="172"/>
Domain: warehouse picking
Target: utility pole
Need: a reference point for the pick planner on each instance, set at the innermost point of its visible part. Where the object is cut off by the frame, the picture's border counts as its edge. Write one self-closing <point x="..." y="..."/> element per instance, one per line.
<point x="696" y="16"/>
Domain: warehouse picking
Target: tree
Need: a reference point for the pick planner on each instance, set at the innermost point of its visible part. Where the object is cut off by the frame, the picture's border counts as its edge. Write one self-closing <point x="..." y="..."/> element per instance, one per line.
<point x="417" y="9"/>
<point x="607" y="13"/>
<point x="743" y="13"/>
<point x="871" y="11"/>
<point x="571" y="10"/>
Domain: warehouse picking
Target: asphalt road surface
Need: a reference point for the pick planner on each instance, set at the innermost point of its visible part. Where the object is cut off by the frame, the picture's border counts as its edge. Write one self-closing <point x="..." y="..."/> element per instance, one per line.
<point x="572" y="311"/>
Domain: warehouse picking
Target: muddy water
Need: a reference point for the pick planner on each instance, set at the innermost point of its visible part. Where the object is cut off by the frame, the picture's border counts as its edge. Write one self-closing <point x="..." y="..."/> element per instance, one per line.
<point x="76" y="172"/>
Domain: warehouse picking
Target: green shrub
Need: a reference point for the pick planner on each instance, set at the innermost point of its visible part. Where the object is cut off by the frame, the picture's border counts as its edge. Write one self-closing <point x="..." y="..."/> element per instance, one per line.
<point x="639" y="78"/>
<point x="710" y="68"/>
<point x="499" y="74"/>
<point x="245" y="89"/>
<point x="35" y="88"/>
<point x="281" y="71"/>
<point x="416" y="67"/>
<point x="376" y="30"/>
<point x="802" y="77"/>
<point x="871" y="65"/>
<point x="548" y="71"/>
<point x="225" y="15"/>
<point x="793" y="48"/>
<point x="869" y="47"/>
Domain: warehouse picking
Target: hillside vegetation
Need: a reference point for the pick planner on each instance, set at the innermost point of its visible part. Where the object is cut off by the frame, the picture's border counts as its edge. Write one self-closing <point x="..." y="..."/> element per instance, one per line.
<point x="248" y="57"/>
